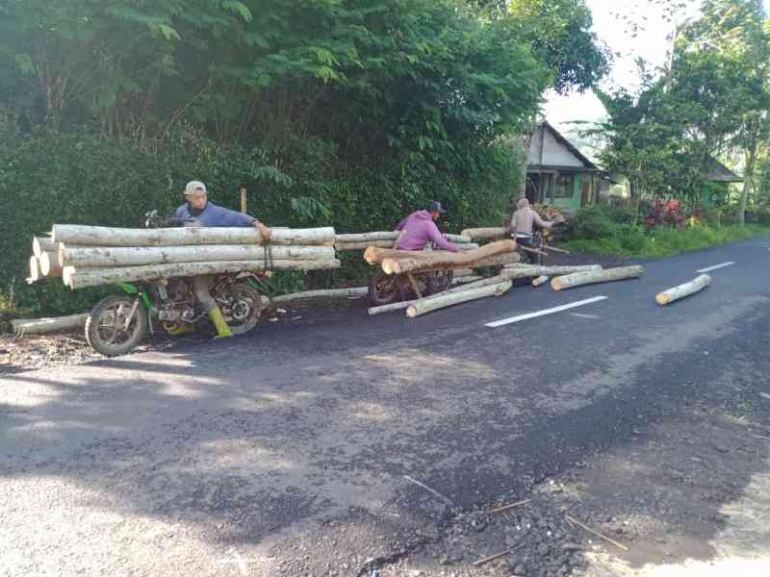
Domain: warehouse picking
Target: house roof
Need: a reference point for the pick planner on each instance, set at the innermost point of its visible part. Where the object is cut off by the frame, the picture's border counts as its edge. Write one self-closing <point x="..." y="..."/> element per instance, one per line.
<point x="718" y="172"/>
<point x="540" y="159"/>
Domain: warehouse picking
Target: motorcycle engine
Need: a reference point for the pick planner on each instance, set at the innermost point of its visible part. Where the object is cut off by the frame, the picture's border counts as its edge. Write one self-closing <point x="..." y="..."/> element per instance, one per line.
<point x="175" y="302"/>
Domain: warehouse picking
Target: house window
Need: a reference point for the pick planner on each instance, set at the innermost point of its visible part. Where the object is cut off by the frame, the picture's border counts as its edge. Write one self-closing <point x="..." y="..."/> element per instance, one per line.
<point x="563" y="186"/>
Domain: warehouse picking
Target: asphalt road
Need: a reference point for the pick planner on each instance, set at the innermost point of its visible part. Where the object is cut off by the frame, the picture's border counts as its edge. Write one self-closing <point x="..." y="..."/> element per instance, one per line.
<point x="287" y="452"/>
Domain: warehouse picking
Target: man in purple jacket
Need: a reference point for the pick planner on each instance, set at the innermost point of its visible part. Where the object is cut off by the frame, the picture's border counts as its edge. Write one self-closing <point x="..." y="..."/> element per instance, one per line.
<point x="419" y="228"/>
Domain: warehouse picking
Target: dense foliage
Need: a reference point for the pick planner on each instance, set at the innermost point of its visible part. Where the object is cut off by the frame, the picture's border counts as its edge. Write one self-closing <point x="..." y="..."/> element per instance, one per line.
<point x="344" y="112"/>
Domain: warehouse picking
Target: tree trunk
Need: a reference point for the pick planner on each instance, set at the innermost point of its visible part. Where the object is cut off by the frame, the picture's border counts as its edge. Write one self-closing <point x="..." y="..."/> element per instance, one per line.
<point x="101" y="257"/>
<point x="80" y="278"/>
<point x="439" y="260"/>
<point x="748" y="179"/>
<point x="683" y="290"/>
<point x="443" y="300"/>
<point x="597" y="276"/>
<point x="106" y="236"/>
<point x="489" y="233"/>
<point x="323" y="294"/>
<point x="41" y="244"/>
<point x="49" y="265"/>
<point x="49" y="325"/>
<point x="541" y="280"/>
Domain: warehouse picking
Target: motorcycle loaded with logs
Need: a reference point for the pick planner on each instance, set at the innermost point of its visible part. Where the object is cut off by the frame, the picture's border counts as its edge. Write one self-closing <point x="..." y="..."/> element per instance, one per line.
<point x="118" y="323"/>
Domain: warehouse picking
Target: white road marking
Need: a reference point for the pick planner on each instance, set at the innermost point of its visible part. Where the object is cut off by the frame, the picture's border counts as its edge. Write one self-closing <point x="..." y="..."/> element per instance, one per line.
<point x="716" y="266"/>
<point x="544" y="312"/>
<point x="584" y="316"/>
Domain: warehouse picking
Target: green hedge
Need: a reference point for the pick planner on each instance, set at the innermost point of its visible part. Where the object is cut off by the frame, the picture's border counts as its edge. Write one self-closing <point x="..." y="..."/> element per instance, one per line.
<point x="85" y="179"/>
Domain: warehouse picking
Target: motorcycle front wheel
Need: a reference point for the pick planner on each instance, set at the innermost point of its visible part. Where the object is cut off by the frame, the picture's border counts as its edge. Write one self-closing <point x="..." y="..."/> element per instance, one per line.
<point x="110" y="331"/>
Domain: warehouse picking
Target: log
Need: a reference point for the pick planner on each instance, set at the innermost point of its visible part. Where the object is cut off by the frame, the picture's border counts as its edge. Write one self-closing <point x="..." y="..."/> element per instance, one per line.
<point x="464" y="280"/>
<point x="106" y="236"/>
<point x="386" y="244"/>
<point x="505" y="259"/>
<point x="489" y="233"/>
<point x="439" y="260"/>
<point x="683" y="290"/>
<point x="35" y="274"/>
<point x="322" y="294"/>
<point x="371" y="237"/>
<point x="106" y="256"/>
<point x="482" y="282"/>
<point x="541" y="280"/>
<point x="536" y="270"/>
<point x="80" y="278"/>
<point x="596" y="276"/>
<point x="41" y="244"/>
<point x="448" y="299"/>
<point x="48" y="325"/>
<point x="49" y="265"/>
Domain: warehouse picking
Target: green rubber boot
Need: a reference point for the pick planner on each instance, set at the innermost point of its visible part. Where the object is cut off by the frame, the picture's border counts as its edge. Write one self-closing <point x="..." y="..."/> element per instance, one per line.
<point x="220" y="323"/>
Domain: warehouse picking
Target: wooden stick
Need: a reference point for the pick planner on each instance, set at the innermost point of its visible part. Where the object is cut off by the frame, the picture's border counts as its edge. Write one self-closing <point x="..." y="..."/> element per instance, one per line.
<point x="445" y="499"/>
<point x="554" y="249"/>
<point x="485" y="560"/>
<point x="532" y="250"/>
<point x="581" y="525"/>
<point x="508" y="507"/>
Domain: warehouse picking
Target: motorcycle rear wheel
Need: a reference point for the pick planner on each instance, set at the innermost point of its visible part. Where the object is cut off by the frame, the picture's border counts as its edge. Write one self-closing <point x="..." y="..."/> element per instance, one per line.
<point x="242" y="306"/>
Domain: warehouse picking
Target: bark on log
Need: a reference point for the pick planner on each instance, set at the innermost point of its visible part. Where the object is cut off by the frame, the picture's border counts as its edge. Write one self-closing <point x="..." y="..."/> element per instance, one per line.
<point x="35" y="274"/>
<point x="445" y="300"/>
<point x="80" y="278"/>
<point x="505" y="259"/>
<point x="535" y="270"/>
<point x="49" y="325"/>
<point x="105" y="256"/>
<point x="541" y="280"/>
<point x="322" y="294"/>
<point x="597" y="276"/>
<point x="438" y="260"/>
<point x="464" y="280"/>
<point x="489" y="233"/>
<point x="375" y="255"/>
<point x="49" y="265"/>
<point x="41" y="244"/>
<point x="386" y="244"/>
<point x="105" y="236"/>
<point x="683" y="290"/>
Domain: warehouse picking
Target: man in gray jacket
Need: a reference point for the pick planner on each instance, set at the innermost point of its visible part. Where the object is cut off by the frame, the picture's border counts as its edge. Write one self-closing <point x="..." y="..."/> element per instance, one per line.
<point x="522" y="225"/>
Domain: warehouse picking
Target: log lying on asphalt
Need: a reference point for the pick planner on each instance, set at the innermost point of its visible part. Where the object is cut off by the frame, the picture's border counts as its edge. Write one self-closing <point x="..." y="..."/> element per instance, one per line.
<point x="596" y="276"/>
<point x="683" y="290"/>
<point x="106" y="256"/>
<point x="443" y="300"/>
<point x="481" y="282"/>
<point x="48" y="325"/>
<point x="49" y="265"/>
<point x="35" y="274"/>
<point x="438" y="260"/>
<point x="541" y="280"/>
<point x="323" y="294"/>
<point x="106" y="236"/>
<point x="539" y="270"/>
<point x="41" y="244"/>
<point x="79" y="278"/>
<point x="489" y="233"/>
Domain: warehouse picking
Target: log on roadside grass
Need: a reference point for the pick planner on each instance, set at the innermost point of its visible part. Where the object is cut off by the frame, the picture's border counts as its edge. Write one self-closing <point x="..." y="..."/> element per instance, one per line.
<point x="437" y="260"/>
<point x="35" y="274"/>
<point x="683" y="290"/>
<point x="49" y="265"/>
<point x="597" y="276"/>
<point x="106" y="256"/>
<point x="321" y="294"/>
<point x="41" y="244"/>
<point x="80" y="278"/>
<point x="443" y="300"/>
<point x="541" y="280"/>
<point x="74" y="234"/>
<point x="48" y="325"/>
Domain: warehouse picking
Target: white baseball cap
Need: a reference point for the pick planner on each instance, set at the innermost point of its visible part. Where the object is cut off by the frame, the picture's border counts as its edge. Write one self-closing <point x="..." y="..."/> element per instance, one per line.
<point x="194" y="187"/>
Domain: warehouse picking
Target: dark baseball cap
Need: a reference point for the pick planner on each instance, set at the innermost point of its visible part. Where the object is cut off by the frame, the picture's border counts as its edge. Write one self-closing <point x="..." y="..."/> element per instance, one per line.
<point x="435" y="206"/>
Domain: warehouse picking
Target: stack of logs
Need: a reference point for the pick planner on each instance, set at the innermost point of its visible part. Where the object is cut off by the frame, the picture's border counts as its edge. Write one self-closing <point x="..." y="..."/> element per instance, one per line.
<point x="385" y="239"/>
<point x="86" y="256"/>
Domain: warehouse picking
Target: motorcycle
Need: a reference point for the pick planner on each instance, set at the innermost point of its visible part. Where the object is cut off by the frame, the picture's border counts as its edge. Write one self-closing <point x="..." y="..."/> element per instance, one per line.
<point x="118" y="323"/>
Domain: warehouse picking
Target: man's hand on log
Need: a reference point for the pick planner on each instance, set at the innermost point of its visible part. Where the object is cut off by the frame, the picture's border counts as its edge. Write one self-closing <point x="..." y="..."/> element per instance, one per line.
<point x="263" y="230"/>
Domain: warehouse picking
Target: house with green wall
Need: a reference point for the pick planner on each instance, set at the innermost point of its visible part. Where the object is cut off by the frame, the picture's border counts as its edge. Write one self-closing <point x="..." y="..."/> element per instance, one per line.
<point x="558" y="173"/>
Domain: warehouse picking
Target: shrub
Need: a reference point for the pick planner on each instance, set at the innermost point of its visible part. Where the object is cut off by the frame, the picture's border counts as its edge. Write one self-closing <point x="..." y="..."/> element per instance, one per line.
<point x="600" y="221"/>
